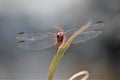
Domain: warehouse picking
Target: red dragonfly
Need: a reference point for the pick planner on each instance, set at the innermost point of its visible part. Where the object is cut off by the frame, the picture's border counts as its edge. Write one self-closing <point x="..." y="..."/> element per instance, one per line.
<point x="37" y="41"/>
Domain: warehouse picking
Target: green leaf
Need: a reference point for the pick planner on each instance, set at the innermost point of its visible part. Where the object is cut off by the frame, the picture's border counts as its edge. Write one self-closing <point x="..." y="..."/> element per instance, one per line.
<point x="56" y="60"/>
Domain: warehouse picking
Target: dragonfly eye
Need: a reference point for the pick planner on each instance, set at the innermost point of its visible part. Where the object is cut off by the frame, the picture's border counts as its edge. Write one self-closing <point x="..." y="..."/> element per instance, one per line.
<point x="57" y="36"/>
<point x="60" y="35"/>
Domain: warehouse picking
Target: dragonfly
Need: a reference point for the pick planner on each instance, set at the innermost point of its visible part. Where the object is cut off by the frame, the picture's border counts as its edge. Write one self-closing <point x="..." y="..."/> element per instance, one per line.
<point x="38" y="41"/>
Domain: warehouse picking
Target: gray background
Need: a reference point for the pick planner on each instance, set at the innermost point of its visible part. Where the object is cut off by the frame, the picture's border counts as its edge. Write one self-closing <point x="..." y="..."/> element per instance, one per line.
<point x="100" y="56"/>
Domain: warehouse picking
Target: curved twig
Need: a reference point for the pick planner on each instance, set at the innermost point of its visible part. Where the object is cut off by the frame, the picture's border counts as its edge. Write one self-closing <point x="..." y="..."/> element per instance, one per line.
<point x="85" y="77"/>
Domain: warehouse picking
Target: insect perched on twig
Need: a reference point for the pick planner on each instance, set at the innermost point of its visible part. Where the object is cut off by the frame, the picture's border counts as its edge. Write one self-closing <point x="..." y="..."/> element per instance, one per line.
<point x="37" y="41"/>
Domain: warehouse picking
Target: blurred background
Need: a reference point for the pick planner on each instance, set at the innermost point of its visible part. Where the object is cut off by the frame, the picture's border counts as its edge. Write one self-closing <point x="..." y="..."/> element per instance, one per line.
<point x="100" y="56"/>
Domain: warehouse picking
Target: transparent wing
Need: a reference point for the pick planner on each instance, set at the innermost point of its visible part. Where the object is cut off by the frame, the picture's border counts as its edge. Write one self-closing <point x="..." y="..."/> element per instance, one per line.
<point x="84" y="36"/>
<point x="36" y="41"/>
<point x="33" y="36"/>
<point x="93" y="31"/>
<point x="97" y="26"/>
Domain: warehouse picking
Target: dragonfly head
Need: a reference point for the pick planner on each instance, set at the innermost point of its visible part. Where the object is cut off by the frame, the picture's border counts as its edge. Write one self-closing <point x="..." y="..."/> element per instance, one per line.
<point x="60" y="35"/>
<point x="59" y="38"/>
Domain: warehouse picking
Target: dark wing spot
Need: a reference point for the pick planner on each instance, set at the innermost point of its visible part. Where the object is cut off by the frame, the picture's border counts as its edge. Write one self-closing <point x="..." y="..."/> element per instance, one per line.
<point x="99" y="22"/>
<point x="21" y="33"/>
<point x="21" y="41"/>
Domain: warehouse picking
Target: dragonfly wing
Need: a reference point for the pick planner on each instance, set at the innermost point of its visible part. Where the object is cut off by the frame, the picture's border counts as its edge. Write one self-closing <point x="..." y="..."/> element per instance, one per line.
<point x="93" y="31"/>
<point x="84" y="36"/>
<point x="33" y="36"/>
<point x="97" y="26"/>
<point x="36" y="42"/>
